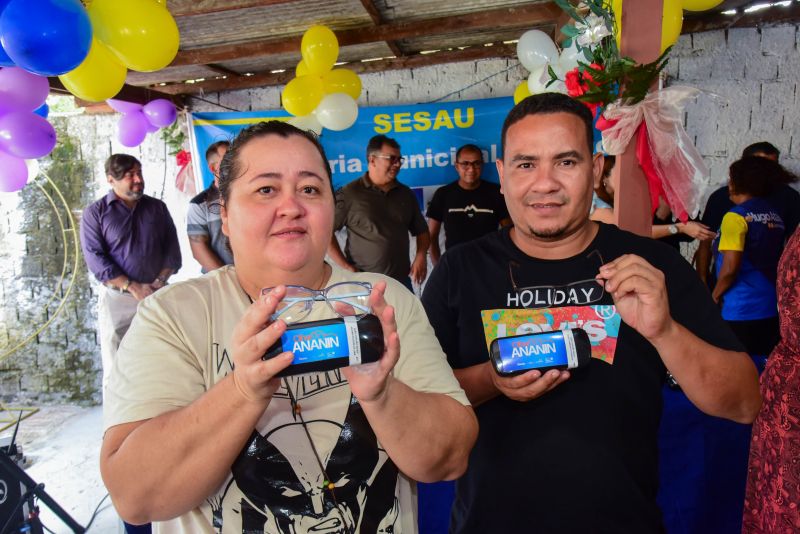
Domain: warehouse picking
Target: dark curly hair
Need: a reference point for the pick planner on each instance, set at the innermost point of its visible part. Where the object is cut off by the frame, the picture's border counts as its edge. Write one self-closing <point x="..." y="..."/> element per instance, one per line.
<point x="230" y="169"/>
<point x="758" y="177"/>
<point x="118" y="164"/>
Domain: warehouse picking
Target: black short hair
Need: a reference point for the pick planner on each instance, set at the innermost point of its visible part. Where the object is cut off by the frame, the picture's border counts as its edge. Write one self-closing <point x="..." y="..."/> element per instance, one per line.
<point x="213" y="149"/>
<point x="545" y="103"/>
<point x="376" y="143"/>
<point x="471" y="147"/>
<point x="763" y="147"/>
<point x="118" y="164"/>
<point x="230" y="169"/>
<point x="758" y="176"/>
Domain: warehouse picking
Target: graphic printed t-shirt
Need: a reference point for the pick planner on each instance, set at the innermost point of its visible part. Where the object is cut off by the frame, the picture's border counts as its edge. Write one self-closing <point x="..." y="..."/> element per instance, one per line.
<point x="178" y="347"/>
<point x="583" y="457"/>
<point x="467" y="214"/>
<point x="755" y="229"/>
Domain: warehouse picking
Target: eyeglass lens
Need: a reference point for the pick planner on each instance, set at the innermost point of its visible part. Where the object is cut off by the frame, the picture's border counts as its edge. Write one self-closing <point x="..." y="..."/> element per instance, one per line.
<point x="345" y="299"/>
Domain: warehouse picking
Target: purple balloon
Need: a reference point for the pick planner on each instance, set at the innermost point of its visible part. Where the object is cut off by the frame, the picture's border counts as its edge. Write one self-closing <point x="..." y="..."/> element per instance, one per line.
<point x="121" y="106"/>
<point x="21" y="90"/>
<point x="160" y="112"/>
<point x="26" y="135"/>
<point x="132" y="129"/>
<point x="151" y="128"/>
<point x="13" y="173"/>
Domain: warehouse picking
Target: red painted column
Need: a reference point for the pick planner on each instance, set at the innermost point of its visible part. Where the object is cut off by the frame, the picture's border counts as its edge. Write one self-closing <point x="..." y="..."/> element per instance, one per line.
<point x="641" y="40"/>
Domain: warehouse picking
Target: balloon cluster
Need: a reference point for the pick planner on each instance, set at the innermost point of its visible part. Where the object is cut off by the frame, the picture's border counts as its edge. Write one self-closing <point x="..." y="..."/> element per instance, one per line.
<point x="24" y="130"/>
<point x="548" y="66"/>
<point x="537" y="52"/>
<point x="320" y="96"/>
<point x="90" y="49"/>
<point x="139" y="120"/>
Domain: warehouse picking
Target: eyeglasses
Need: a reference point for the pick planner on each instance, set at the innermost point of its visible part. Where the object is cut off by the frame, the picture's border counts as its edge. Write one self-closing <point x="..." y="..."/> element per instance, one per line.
<point x="393" y="160"/>
<point x="345" y="299"/>
<point x="587" y="291"/>
<point x="473" y="164"/>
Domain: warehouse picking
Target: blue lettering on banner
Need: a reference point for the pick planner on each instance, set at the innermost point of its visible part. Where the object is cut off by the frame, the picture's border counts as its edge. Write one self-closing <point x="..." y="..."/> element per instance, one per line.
<point x="429" y="135"/>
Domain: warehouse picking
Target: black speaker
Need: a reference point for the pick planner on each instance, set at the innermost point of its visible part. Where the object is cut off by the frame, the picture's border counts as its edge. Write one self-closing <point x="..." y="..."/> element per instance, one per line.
<point x="13" y="514"/>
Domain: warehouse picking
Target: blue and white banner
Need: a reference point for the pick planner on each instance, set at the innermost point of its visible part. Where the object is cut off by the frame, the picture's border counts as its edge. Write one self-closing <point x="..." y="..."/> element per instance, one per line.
<point x="429" y="135"/>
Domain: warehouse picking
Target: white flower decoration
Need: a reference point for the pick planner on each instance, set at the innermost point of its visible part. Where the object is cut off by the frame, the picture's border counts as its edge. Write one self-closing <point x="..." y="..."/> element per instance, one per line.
<point x="593" y="31"/>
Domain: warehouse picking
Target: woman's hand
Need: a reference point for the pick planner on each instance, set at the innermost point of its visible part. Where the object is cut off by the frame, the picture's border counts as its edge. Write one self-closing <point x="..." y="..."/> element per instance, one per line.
<point x="696" y="230"/>
<point x="253" y="335"/>
<point x="371" y="381"/>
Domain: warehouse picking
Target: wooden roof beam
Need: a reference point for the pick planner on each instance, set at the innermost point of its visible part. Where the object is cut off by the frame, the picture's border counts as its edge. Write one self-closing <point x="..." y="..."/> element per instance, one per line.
<point x="415" y="61"/>
<point x="376" y="17"/>
<point x="717" y="21"/>
<point x="129" y="93"/>
<point x="515" y="17"/>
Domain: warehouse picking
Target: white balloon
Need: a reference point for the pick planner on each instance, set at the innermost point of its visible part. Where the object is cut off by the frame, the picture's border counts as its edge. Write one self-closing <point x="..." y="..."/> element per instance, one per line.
<point x="307" y="122"/>
<point x="33" y="168"/>
<point x="537" y="81"/>
<point x="536" y="48"/>
<point x="337" y="111"/>
<point x="569" y="57"/>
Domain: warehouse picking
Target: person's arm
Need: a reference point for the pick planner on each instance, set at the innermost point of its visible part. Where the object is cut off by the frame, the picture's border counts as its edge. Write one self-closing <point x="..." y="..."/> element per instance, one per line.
<point x="433" y="228"/>
<point x="203" y="253"/>
<point x="95" y="250"/>
<point x="172" y="248"/>
<point x="731" y="263"/>
<point x="702" y="258"/>
<point x="336" y="254"/>
<point x="722" y="383"/>
<point x="693" y="229"/>
<point x="160" y="468"/>
<point x="419" y="268"/>
<point x="605" y="215"/>
<point x="427" y="435"/>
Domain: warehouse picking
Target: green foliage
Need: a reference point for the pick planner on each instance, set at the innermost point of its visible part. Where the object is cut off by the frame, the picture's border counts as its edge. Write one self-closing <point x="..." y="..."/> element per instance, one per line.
<point x="174" y="137"/>
<point x="618" y="78"/>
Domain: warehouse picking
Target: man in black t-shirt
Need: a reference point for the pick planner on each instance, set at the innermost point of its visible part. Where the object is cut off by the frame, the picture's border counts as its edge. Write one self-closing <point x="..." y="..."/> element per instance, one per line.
<point x="574" y="452"/>
<point x="785" y="200"/>
<point x="469" y="207"/>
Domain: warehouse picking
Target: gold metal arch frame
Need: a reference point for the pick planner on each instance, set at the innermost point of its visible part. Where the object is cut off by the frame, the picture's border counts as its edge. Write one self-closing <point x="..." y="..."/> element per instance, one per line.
<point x="8" y="414"/>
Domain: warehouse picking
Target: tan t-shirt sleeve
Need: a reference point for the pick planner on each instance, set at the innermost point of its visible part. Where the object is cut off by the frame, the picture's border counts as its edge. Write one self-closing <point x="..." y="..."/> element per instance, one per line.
<point x="157" y="368"/>
<point x="423" y="365"/>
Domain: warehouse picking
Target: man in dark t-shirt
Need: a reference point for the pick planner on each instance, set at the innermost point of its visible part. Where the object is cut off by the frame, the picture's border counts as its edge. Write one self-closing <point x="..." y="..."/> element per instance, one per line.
<point x="785" y="200"/>
<point x="574" y="451"/>
<point x="468" y="208"/>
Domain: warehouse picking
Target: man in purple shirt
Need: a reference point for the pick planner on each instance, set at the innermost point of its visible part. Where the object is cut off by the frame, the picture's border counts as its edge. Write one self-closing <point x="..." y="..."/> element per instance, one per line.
<point x="130" y="245"/>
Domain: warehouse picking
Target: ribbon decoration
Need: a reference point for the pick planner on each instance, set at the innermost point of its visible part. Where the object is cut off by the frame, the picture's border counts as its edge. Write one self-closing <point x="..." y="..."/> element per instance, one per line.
<point x="184" y="181"/>
<point x="670" y="161"/>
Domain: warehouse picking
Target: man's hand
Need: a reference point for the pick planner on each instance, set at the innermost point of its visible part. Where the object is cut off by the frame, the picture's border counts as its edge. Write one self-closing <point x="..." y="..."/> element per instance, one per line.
<point x="370" y="382"/>
<point x="252" y="336"/>
<point x="419" y="269"/>
<point x="527" y="386"/>
<point x="696" y="230"/>
<point x="640" y="294"/>
<point x="140" y="291"/>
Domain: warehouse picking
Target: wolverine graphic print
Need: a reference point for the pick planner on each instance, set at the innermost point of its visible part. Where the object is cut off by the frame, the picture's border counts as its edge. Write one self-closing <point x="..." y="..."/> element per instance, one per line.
<point x="322" y="474"/>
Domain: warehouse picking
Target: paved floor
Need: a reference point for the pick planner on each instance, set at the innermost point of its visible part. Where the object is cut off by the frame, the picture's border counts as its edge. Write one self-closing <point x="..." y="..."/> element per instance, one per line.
<point x="62" y="445"/>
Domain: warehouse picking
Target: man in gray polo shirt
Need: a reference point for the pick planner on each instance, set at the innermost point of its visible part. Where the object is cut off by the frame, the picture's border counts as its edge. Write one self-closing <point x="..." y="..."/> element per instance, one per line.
<point x="379" y="213"/>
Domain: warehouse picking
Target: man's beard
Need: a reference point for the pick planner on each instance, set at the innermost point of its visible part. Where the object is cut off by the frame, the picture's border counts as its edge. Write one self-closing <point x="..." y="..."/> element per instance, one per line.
<point x="547" y="234"/>
<point x="135" y="195"/>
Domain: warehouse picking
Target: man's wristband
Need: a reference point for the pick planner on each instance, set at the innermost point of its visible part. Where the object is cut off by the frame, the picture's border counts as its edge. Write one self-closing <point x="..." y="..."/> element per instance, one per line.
<point x="125" y="285"/>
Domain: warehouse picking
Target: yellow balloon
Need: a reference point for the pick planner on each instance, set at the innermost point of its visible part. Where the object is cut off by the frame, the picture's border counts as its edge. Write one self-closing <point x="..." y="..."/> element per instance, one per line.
<point x="700" y="5"/>
<point x="521" y="92"/>
<point x="301" y="69"/>
<point x="142" y="33"/>
<point x="671" y="22"/>
<point x="320" y="49"/>
<point x="342" y="81"/>
<point x="100" y="76"/>
<point x="302" y="95"/>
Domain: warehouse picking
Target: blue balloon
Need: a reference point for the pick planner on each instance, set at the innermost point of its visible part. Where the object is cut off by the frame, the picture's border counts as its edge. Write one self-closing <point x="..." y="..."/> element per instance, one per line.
<point x="46" y="37"/>
<point x="43" y="110"/>
<point x="5" y="61"/>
